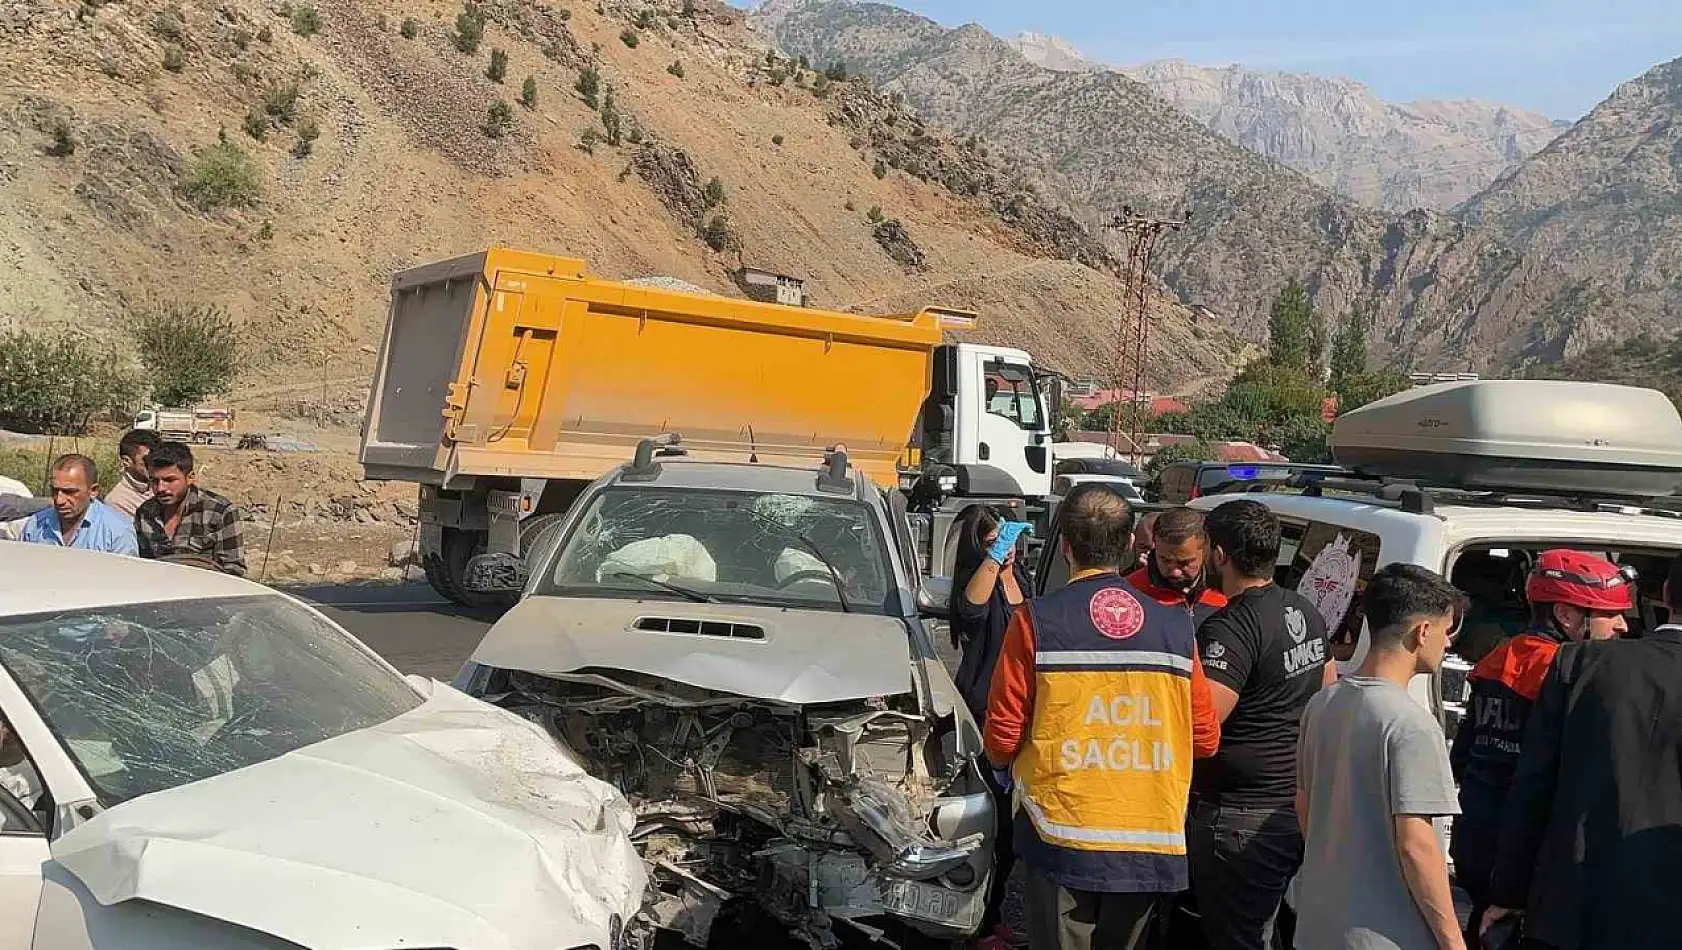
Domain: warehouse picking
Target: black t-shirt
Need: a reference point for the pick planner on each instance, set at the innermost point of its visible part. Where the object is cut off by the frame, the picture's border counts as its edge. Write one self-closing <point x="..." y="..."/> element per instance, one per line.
<point x="1269" y="646"/>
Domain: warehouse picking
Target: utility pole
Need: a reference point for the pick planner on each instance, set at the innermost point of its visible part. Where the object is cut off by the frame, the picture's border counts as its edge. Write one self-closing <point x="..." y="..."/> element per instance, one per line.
<point x="1143" y="234"/>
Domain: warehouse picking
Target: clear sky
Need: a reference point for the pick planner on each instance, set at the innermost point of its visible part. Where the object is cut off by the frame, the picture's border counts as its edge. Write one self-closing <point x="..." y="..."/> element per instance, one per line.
<point x="1559" y="57"/>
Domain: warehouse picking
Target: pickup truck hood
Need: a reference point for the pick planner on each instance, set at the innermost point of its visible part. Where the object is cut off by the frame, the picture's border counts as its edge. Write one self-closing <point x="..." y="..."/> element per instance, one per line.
<point x="805" y="656"/>
<point x="454" y="825"/>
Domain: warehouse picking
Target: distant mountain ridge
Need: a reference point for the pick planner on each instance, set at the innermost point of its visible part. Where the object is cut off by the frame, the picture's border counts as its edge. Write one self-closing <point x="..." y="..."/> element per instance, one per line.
<point x="1576" y="247"/>
<point x="1392" y="155"/>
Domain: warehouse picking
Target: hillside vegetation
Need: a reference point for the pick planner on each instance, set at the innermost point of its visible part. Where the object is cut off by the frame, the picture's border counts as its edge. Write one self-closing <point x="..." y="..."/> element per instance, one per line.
<point x="282" y="160"/>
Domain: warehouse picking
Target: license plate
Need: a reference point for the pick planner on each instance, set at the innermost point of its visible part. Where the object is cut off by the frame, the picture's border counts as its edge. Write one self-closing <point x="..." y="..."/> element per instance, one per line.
<point x="925" y="901"/>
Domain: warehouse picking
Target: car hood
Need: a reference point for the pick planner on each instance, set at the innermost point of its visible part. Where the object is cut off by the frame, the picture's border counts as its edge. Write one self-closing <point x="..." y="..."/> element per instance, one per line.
<point x="453" y="825"/>
<point x="805" y="656"/>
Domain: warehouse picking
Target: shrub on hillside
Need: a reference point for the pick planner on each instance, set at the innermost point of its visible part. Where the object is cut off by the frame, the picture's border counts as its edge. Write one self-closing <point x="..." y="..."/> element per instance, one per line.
<point x="63" y="143"/>
<point x="280" y="102"/>
<point x="410" y="28"/>
<point x="587" y="141"/>
<point x="498" y="119"/>
<point x="874" y="215"/>
<point x="53" y="383"/>
<point x="629" y="38"/>
<point x="528" y="92"/>
<point x="256" y="124"/>
<point x="265" y="35"/>
<point x="470" y="29"/>
<point x="611" y="123"/>
<point x="498" y="67"/>
<point x="718" y="233"/>
<point x="167" y="25"/>
<point x="221" y="175"/>
<point x="175" y="58"/>
<point x="308" y="131"/>
<point x="589" y="86"/>
<point x="645" y="19"/>
<point x="881" y="169"/>
<point x="776" y="140"/>
<point x="714" y="193"/>
<point x="306" y="21"/>
<point x="188" y="351"/>
<point x="676" y="69"/>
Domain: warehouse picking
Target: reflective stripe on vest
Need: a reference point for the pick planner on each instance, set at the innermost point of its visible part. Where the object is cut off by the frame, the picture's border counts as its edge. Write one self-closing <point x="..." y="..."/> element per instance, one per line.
<point x="1107" y="762"/>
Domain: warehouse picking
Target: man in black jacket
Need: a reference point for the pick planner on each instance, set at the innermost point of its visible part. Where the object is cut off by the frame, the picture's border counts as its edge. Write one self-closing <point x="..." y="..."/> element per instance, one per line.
<point x="1591" y="841"/>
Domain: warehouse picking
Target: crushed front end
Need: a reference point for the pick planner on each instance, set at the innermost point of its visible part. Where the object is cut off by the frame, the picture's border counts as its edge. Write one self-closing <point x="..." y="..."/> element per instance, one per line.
<point x="868" y="815"/>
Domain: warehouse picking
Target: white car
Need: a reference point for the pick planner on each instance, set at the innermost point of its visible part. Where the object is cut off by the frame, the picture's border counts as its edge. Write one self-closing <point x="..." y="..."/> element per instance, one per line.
<point x="193" y="760"/>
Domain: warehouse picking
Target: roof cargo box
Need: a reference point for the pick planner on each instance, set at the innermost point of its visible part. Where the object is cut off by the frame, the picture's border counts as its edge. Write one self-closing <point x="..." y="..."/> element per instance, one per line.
<point x="1517" y="436"/>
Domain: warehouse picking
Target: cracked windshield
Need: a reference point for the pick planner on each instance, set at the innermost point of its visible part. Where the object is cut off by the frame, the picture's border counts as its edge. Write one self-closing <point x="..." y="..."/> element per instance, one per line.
<point x="727" y="546"/>
<point x="153" y="696"/>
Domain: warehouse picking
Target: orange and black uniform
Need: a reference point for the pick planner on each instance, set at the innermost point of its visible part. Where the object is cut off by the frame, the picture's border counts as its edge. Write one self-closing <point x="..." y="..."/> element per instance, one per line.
<point x="1202" y="605"/>
<point x="1503" y="689"/>
<point x="1099" y="705"/>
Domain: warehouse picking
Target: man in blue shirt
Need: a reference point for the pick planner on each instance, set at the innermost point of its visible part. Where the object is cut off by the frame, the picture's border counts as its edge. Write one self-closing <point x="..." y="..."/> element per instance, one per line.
<point x="77" y="518"/>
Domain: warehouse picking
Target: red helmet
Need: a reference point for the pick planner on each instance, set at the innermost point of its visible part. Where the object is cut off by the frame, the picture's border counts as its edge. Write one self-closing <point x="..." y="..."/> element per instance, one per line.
<point x="1581" y="580"/>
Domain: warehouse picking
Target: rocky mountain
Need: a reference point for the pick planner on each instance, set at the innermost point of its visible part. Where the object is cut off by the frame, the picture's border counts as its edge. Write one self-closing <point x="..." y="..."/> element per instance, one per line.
<point x="282" y="159"/>
<point x="1577" y="246"/>
<point x="1399" y="156"/>
<point x="1112" y="143"/>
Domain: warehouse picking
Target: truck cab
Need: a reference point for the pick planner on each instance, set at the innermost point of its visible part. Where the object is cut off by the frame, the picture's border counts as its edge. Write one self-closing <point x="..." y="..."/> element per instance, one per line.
<point x="984" y="435"/>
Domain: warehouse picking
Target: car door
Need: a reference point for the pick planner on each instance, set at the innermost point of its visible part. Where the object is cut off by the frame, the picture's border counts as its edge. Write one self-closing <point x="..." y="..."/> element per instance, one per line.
<point x="23" y="847"/>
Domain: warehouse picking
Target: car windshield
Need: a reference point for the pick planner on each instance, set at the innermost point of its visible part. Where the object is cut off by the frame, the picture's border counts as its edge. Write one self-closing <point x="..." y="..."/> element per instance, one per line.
<point x="740" y="547"/>
<point x="147" y="697"/>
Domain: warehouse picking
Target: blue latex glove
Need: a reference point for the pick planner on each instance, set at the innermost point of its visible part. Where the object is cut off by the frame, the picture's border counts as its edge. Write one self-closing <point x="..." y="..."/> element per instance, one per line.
<point x="1001" y="777"/>
<point x="1006" y="542"/>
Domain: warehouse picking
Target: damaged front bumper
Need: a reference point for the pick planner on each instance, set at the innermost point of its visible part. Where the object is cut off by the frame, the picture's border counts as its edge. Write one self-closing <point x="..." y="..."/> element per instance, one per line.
<point x="850" y="816"/>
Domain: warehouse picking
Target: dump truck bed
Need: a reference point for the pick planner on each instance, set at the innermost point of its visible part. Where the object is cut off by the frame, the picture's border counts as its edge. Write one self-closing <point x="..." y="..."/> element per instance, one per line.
<point x="513" y="364"/>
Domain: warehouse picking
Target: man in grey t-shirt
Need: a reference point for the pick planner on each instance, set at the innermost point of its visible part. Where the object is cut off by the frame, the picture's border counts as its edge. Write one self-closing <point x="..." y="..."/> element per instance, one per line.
<point x="1372" y="771"/>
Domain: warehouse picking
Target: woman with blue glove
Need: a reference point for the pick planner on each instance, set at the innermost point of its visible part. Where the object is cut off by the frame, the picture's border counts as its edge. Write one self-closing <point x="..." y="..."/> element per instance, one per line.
<point x="987" y="587"/>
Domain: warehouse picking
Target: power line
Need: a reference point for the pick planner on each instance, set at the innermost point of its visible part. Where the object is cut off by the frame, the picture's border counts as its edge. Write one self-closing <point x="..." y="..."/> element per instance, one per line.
<point x="1132" y="338"/>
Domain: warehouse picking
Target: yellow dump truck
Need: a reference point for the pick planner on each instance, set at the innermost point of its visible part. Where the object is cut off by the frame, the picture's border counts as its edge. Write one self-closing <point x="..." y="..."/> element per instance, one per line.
<point x="508" y="380"/>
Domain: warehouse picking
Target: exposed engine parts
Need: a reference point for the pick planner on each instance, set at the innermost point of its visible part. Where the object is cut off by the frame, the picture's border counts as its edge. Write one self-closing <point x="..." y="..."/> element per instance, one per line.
<point x="821" y="815"/>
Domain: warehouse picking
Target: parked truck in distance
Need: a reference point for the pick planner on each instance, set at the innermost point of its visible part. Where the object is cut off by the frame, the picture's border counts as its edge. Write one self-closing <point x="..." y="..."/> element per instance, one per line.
<point x="507" y="381"/>
<point x="204" y="425"/>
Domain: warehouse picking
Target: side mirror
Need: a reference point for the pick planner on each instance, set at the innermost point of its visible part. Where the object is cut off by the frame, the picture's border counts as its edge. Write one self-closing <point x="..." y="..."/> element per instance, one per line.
<point x="934" y="598"/>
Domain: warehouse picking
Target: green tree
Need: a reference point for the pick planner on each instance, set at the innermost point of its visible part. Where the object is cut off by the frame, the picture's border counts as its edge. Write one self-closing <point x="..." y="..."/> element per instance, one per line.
<point x="1371" y="387"/>
<point x="188" y="352"/>
<point x="1290" y="330"/>
<point x="53" y="383"/>
<point x="1349" y="350"/>
<point x="1304" y="438"/>
<point x="498" y="67"/>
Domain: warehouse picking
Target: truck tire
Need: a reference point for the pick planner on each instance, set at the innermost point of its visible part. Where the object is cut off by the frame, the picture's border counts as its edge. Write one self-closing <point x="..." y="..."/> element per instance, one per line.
<point x="536" y="533"/>
<point x="446" y="573"/>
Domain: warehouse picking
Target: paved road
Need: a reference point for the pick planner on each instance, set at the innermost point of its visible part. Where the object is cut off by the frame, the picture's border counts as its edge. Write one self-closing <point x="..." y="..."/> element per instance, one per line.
<point x="411" y="626"/>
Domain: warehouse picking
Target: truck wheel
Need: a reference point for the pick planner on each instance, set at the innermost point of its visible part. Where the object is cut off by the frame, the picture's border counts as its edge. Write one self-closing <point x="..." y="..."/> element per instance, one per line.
<point x="448" y="573"/>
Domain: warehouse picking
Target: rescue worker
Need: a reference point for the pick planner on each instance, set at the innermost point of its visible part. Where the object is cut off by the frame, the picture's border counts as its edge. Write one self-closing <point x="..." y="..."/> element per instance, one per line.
<point x="1097" y="708"/>
<point x="1573" y="596"/>
<point x="1175" y="572"/>
<point x="1590" y="843"/>
<point x="1266" y="654"/>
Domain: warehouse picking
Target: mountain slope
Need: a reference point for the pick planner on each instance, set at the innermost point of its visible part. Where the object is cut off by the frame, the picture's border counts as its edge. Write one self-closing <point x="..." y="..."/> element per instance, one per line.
<point x="1430" y="154"/>
<point x="101" y="152"/>
<point x="1580" y="244"/>
<point x="1112" y="143"/>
